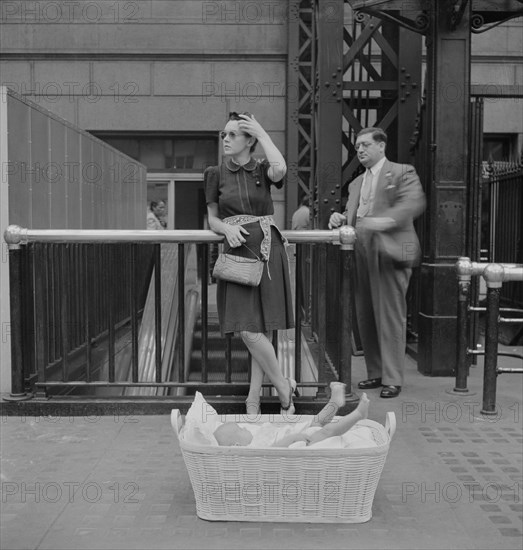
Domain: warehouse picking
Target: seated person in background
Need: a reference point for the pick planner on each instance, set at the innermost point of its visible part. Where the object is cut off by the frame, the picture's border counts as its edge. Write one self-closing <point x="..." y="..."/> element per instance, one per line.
<point x="231" y="434"/>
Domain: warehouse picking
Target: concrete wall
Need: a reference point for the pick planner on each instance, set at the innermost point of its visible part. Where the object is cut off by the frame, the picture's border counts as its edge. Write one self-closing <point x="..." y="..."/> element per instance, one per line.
<point x="497" y="60"/>
<point x="61" y="177"/>
<point x="55" y="175"/>
<point x="151" y="65"/>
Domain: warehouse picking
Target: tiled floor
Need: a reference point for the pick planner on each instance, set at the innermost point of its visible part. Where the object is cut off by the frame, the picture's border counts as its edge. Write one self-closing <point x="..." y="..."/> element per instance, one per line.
<point x="453" y="479"/>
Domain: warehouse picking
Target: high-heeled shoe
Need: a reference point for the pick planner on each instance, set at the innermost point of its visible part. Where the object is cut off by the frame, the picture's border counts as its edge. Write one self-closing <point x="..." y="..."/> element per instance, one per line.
<point x="252" y="407"/>
<point x="290" y="409"/>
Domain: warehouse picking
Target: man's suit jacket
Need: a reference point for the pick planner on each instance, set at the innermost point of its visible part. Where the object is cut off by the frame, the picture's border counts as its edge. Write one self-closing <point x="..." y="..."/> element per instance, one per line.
<point x="400" y="197"/>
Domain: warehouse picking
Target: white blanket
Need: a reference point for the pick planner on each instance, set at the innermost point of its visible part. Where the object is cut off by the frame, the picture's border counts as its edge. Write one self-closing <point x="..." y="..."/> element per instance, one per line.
<point x="202" y="420"/>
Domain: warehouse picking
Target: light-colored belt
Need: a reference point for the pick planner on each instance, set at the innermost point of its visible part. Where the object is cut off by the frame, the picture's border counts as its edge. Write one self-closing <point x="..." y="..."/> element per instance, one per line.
<point x="265" y="223"/>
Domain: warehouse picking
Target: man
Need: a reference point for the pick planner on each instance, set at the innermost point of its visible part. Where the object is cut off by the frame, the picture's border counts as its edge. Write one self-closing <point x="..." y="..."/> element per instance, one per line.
<point x="301" y="217"/>
<point x="383" y="202"/>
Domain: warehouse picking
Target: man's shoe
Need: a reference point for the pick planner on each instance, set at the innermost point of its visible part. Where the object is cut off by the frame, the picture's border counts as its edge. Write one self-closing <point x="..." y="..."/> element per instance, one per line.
<point x="370" y="384"/>
<point x="390" y="391"/>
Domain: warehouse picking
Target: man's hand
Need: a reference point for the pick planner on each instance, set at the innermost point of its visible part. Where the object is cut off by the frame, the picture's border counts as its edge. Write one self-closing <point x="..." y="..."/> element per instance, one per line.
<point x="336" y="220"/>
<point x="377" y="224"/>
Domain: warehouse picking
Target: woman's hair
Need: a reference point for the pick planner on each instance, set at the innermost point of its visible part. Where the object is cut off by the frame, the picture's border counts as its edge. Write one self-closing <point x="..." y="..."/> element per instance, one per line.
<point x="233" y="115"/>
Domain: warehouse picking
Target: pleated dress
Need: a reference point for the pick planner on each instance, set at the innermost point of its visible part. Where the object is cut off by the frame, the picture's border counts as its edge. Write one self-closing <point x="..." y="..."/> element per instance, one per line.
<point x="246" y="190"/>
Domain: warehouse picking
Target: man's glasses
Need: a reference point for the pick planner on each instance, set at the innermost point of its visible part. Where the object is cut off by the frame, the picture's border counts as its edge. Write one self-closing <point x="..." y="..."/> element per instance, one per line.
<point x="232" y="135"/>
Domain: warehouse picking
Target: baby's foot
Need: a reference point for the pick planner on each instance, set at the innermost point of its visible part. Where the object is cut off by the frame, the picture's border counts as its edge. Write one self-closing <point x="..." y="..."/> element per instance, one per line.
<point x="338" y="393"/>
<point x="363" y="406"/>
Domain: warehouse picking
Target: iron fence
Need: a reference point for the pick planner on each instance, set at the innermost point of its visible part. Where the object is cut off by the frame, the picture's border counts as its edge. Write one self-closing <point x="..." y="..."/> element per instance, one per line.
<point x="76" y="294"/>
<point x="503" y="208"/>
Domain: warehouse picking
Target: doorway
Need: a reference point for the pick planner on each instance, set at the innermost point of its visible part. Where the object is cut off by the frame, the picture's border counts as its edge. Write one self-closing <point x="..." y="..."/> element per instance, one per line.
<point x="183" y="195"/>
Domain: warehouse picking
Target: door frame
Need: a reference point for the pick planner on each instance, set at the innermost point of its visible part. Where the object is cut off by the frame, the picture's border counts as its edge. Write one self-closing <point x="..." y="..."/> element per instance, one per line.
<point x="171" y="189"/>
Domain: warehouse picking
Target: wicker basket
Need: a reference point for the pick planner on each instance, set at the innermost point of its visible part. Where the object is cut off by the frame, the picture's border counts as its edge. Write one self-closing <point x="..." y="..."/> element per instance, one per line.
<point x="286" y="485"/>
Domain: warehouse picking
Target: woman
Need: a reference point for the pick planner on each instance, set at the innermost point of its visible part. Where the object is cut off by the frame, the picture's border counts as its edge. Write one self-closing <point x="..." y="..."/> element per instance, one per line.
<point x="239" y="206"/>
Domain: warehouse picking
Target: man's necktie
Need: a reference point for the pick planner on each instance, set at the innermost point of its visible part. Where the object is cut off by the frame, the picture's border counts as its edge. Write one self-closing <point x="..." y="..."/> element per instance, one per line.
<point x="365" y="194"/>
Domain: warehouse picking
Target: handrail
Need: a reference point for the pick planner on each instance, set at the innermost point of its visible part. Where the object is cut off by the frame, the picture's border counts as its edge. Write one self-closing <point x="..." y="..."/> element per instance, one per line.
<point x="494" y="274"/>
<point x="16" y="236"/>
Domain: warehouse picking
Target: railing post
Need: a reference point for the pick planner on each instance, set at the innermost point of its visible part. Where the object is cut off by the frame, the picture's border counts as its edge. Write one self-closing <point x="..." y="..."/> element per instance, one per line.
<point x="493" y="276"/>
<point x="321" y="316"/>
<point x="13" y="239"/>
<point x="298" y="297"/>
<point x="181" y="312"/>
<point x="464" y="270"/>
<point x="347" y="239"/>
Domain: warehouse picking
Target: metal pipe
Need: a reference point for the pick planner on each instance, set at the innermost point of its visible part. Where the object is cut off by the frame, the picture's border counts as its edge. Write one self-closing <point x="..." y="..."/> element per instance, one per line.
<point x="493" y="275"/>
<point x="465" y="269"/>
<point x="462" y="356"/>
<point x="109" y="277"/>
<point x="81" y="384"/>
<point x="157" y="258"/>
<point x="17" y="364"/>
<point x="322" y="314"/>
<point x="64" y="310"/>
<point x="41" y="306"/>
<point x="491" y="351"/>
<point x="87" y="305"/>
<point x="134" y="313"/>
<point x="345" y="367"/>
<point x="18" y="235"/>
<point x="509" y="370"/>
<point x="181" y="312"/>
<point x="299" y="302"/>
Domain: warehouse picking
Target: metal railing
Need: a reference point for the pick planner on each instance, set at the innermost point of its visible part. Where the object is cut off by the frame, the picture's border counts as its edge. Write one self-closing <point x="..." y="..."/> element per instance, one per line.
<point x="24" y="296"/>
<point x="504" y="212"/>
<point x="494" y="275"/>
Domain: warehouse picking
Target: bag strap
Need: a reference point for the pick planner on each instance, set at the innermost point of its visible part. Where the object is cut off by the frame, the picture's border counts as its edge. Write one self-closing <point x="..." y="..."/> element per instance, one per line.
<point x="252" y="252"/>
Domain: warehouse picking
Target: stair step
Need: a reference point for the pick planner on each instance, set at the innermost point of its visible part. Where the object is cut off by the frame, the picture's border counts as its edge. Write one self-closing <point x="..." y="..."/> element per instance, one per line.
<point x="216" y="344"/>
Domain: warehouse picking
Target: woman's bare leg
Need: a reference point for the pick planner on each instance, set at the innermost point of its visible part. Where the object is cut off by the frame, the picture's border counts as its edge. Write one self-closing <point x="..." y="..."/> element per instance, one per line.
<point x="253" y="399"/>
<point x="263" y="352"/>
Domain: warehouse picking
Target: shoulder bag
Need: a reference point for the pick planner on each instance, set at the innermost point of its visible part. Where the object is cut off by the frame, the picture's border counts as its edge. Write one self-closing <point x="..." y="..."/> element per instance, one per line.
<point x="238" y="269"/>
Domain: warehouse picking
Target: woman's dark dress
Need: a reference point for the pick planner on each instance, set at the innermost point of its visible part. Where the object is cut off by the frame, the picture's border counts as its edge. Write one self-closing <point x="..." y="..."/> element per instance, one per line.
<point x="246" y="190"/>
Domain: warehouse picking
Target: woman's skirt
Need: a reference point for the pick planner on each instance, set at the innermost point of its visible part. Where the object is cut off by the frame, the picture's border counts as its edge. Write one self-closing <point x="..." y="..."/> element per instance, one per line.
<point x="262" y="308"/>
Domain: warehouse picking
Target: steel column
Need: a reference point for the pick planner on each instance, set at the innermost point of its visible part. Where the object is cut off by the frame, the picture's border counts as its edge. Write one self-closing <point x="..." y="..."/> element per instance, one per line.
<point x="327" y="176"/>
<point x="300" y="103"/>
<point x="448" y="57"/>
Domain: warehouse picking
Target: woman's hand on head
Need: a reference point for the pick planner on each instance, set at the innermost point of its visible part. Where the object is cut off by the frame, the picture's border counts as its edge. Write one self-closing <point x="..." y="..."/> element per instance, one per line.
<point x="251" y="126"/>
<point x="234" y="235"/>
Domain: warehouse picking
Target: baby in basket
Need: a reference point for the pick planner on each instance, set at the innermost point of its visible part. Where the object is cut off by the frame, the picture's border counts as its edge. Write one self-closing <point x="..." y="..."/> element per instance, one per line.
<point x="232" y="434"/>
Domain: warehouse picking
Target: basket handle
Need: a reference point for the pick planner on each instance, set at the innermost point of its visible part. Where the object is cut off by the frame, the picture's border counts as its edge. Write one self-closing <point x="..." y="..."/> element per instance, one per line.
<point x="390" y="423"/>
<point x="176" y="422"/>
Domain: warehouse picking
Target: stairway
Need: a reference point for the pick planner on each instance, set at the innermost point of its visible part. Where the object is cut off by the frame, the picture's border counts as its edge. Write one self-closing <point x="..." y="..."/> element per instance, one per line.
<point x="216" y="345"/>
